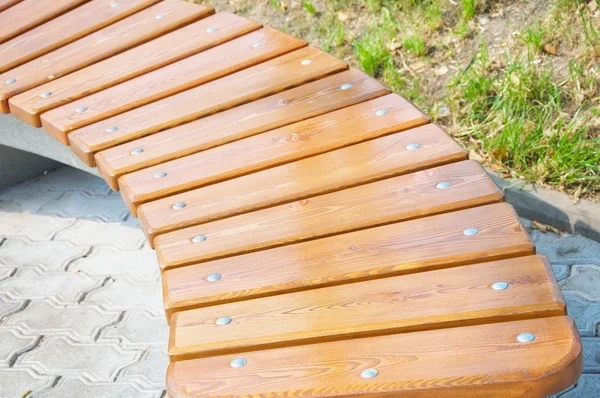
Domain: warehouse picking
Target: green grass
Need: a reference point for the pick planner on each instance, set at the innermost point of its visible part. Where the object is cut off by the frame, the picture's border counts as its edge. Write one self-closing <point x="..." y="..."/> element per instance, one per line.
<point x="516" y="114"/>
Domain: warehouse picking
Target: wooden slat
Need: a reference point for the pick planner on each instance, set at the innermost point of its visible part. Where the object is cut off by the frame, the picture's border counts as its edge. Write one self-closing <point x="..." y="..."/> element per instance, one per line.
<point x="113" y="39"/>
<point x="191" y="72"/>
<point x="413" y="246"/>
<point x="64" y="29"/>
<point x="278" y="110"/>
<point x="333" y="171"/>
<point x="384" y="202"/>
<point x="407" y="303"/>
<point x="28" y="14"/>
<point x="256" y="82"/>
<point x="4" y="4"/>
<point x="470" y="361"/>
<point x="172" y="47"/>
<point x="300" y="140"/>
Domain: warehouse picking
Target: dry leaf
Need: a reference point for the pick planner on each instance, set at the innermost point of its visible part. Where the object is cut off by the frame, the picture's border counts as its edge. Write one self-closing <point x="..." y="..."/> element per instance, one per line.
<point x="343" y="16"/>
<point x="592" y="6"/>
<point x="394" y="45"/>
<point x="550" y="49"/>
<point x="441" y="71"/>
<point x="417" y="66"/>
<point x="544" y="228"/>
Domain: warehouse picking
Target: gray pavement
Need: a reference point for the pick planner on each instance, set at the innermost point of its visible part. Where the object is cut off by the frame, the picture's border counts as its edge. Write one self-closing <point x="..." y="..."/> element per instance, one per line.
<point x="80" y="295"/>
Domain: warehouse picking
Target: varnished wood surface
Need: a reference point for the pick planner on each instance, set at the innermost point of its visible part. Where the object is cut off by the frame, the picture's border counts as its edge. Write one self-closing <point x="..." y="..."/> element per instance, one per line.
<point x="344" y="127"/>
<point x="429" y="300"/>
<point x="64" y="29"/>
<point x="281" y="109"/>
<point x="470" y="361"/>
<point x="4" y="4"/>
<point x="179" y="44"/>
<point x="27" y="14"/>
<point x="256" y="82"/>
<point x="120" y="36"/>
<point x="333" y="171"/>
<point x="408" y="247"/>
<point x="194" y="71"/>
<point x="392" y="200"/>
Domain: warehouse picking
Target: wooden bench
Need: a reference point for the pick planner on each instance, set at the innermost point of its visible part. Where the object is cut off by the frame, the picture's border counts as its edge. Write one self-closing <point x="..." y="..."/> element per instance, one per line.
<point x="317" y="235"/>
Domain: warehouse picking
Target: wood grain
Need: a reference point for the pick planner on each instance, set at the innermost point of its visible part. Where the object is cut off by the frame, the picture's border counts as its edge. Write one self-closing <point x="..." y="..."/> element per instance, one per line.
<point x="28" y="14"/>
<point x="164" y="50"/>
<point x="333" y="171"/>
<point x="64" y="29"/>
<point x="458" y="296"/>
<point x="120" y="36"/>
<point x="300" y="103"/>
<point x="384" y="202"/>
<point x="470" y="361"/>
<point x="188" y="73"/>
<point x="408" y="247"/>
<point x="297" y="141"/>
<point x="250" y="84"/>
<point x="4" y="4"/>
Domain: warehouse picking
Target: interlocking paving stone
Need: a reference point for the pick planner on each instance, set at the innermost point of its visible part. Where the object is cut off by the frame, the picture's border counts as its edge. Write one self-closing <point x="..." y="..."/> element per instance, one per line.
<point x="584" y="280"/>
<point x="123" y="235"/>
<point x="149" y="371"/>
<point x="12" y="343"/>
<point x="139" y="329"/>
<point x="567" y="249"/>
<point x="81" y="388"/>
<point x="61" y="355"/>
<point x="110" y="261"/>
<point x="591" y="355"/>
<point x="585" y="313"/>
<point x="8" y="306"/>
<point x="82" y="205"/>
<point x="17" y="382"/>
<point x="128" y="295"/>
<point x="31" y="283"/>
<point x="50" y="256"/>
<point x="31" y="225"/>
<point x="587" y="386"/>
<point x="82" y="322"/>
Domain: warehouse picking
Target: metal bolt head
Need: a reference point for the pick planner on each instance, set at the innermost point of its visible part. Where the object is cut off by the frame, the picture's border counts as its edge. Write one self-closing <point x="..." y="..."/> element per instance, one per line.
<point x="111" y="129"/>
<point x="136" y="151"/>
<point x="178" y="206"/>
<point x="198" y="239"/>
<point x="223" y="320"/>
<point x="115" y="4"/>
<point x="46" y="94"/>
<point x="257" y="45"/>
<point x="213" y="277"/>
<point x="369" y="373"/>
<point x="10" y="81"/>
<point x="159" y="17"/>
<point x="81" y="109"/>
<point x="238" y="363"/>
<point x="160" y="174"/>
<point x="345" y="86"/>
<point x="499" y="285"/>
<point x="306" y="62"/>
<point x="470" y="231"/>
<point x="412" y="147"/>
<point x="381" y="112"/>
<point x="210" y="30"/>
<point x="525" y="337"/>
<point x="442" y="185"/>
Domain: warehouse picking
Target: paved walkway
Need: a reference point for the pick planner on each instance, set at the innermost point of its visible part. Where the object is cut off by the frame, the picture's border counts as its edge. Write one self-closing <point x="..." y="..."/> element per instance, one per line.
<point x="80" y="296"/>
